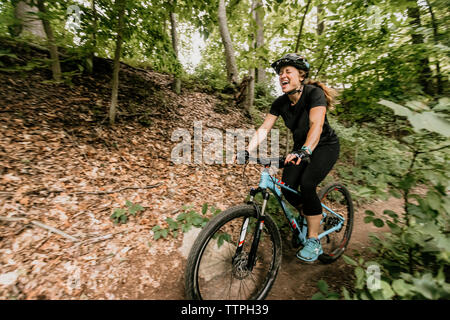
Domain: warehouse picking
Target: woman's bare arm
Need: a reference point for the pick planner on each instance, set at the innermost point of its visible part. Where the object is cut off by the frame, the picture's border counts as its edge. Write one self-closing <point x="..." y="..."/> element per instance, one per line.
<point x="316" y="120"/>
<point x="262" y="132"/>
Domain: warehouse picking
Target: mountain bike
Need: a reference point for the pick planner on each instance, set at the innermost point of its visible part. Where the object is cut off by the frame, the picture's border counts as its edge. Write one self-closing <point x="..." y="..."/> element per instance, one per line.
<point x="237" y="255"/>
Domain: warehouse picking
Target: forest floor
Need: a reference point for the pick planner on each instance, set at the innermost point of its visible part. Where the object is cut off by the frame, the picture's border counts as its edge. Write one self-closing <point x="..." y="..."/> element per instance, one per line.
<point x="63" y="166"/>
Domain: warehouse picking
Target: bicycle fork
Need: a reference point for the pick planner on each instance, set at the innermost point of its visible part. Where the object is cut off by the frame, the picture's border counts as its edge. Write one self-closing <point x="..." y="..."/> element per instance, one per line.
<point x="259" y="227"/>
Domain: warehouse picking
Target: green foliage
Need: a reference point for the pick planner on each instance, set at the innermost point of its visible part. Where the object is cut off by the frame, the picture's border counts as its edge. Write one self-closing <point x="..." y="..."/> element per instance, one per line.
<point x="264" y="96"/>
<point x="414" y="256"/>
<point x="369" y="163"/>
<point x="221" y="238"/>
<point x="121" y="215"/>
<point x="422" y="286"/>
<point x="417" y="241"/>
<point x="324" y="293"/>
<point x="421" y="117"/>
<point x="185" y="221"/>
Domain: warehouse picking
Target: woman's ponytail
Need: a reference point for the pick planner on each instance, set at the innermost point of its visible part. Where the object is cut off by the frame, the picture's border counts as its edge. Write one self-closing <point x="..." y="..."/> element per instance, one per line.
<point x="330" y="93"/>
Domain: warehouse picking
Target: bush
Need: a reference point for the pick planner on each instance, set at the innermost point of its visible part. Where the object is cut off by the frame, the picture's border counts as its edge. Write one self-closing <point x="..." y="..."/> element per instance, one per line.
<point x="414" y="257"/>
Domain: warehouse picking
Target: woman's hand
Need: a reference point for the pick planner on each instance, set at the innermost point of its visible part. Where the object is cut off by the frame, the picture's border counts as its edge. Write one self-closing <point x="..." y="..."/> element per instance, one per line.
<point x="295" y="157"/>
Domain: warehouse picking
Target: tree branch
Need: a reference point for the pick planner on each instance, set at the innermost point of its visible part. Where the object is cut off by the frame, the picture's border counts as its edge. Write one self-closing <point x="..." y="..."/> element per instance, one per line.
<point x="41" y="225"/>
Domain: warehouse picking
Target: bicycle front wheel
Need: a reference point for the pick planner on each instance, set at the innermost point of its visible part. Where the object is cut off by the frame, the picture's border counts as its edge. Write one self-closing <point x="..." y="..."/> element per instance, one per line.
<point x="337" y="198"/>
<point x="216" y="270"/>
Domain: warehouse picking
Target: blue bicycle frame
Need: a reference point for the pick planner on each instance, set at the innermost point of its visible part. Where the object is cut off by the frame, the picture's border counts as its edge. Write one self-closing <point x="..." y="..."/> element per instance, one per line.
<point x="267" y="182"/>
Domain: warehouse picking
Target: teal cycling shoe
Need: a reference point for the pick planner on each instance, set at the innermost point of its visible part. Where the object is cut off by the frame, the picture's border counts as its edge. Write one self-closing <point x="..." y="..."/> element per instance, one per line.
<point x="311" y="251"/>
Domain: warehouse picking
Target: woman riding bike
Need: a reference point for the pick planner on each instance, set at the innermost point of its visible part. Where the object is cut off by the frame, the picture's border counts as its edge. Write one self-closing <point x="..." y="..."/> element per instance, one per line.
<point x="303" y="108"/>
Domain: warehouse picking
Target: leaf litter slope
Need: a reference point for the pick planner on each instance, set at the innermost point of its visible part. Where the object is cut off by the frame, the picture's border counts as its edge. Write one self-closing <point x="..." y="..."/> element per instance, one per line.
<point x="62" y="166"/>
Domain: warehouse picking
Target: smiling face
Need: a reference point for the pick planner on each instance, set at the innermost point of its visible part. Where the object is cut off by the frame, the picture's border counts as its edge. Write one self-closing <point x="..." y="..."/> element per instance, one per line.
<point x="290" y="78"/>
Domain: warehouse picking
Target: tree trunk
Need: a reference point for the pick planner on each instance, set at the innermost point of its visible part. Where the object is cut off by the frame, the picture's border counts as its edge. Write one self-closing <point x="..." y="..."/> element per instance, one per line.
<point x="120" y="4"/>
<point x="250" y="97"/>
<point x="440" y="88"/>
<point x="173" y="24"/>
<point x="93" y="45"/>
<point x="320" y="22"/>
<point x="56" y="67"/>
<point x="27" y="20"/>
<point x="232" y="72"/>
<point x="258" y="13"/>
<point x="425" y="74"/>
<point x="297" y="45"/>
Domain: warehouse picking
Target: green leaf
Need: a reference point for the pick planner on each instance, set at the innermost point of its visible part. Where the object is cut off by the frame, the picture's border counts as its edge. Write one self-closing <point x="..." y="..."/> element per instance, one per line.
<point x="368" y="219"/>
<point x="323" y="286"/>
<point x="395" y="229"/>
<point x="186" y="227"/>
<point x="425" y="286"/>
<point x="333" y="296"/>
<point x="377" y="295"/>
<point x="173" y="225"/>
<point x="220" y="241"/>
<point x="395" y="193"/>
<point x="318" y="296"/>
<point x="197" y="221"/>
<point x="360" y="277"/>
<point x="181" y="216"/>
<point x="132" y="211"/>
<point x="346" y="294"/>
<point x="378" y="223"/>
<point x="164" y="233"/>
<point x="118" y="212"/>
<point x="407" y="182"/>
<point x="386" y="290"/>
<point x="349" y="260"/>
<point x="204" y="208"/>
<point x="370" y="213"/>
<point x="424" y="120"/>
<point x="390" y="213"/>
<point x="400" y="287"/>
<point x="434" y="200"/>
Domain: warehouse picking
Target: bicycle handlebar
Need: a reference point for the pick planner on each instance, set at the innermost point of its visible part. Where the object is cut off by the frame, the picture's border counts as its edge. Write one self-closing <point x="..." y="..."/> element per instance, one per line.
<point x="279" y="162"/>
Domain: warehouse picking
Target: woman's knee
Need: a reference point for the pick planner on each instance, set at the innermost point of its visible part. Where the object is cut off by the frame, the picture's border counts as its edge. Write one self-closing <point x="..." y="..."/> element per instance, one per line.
<point x="308" y="187"/>
<point x="291" y="197"/>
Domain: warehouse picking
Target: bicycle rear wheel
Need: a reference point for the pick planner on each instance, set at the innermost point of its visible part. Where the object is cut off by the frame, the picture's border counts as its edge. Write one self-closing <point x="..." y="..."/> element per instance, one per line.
<point x="213" y="270"/>
<point x="336" y="197"/>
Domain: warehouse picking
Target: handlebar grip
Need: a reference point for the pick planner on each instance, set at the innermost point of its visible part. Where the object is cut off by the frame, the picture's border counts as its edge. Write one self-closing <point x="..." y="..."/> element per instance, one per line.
<point x="271" y="161"/>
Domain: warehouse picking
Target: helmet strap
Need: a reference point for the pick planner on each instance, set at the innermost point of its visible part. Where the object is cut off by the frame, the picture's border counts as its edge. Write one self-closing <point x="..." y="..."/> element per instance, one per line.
<point x="294" y="91"/>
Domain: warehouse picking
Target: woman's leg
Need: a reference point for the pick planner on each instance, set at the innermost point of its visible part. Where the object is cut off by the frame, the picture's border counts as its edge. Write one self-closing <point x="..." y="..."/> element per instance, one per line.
<point x="322" y="161"/>
<point x="291" y="177"/>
